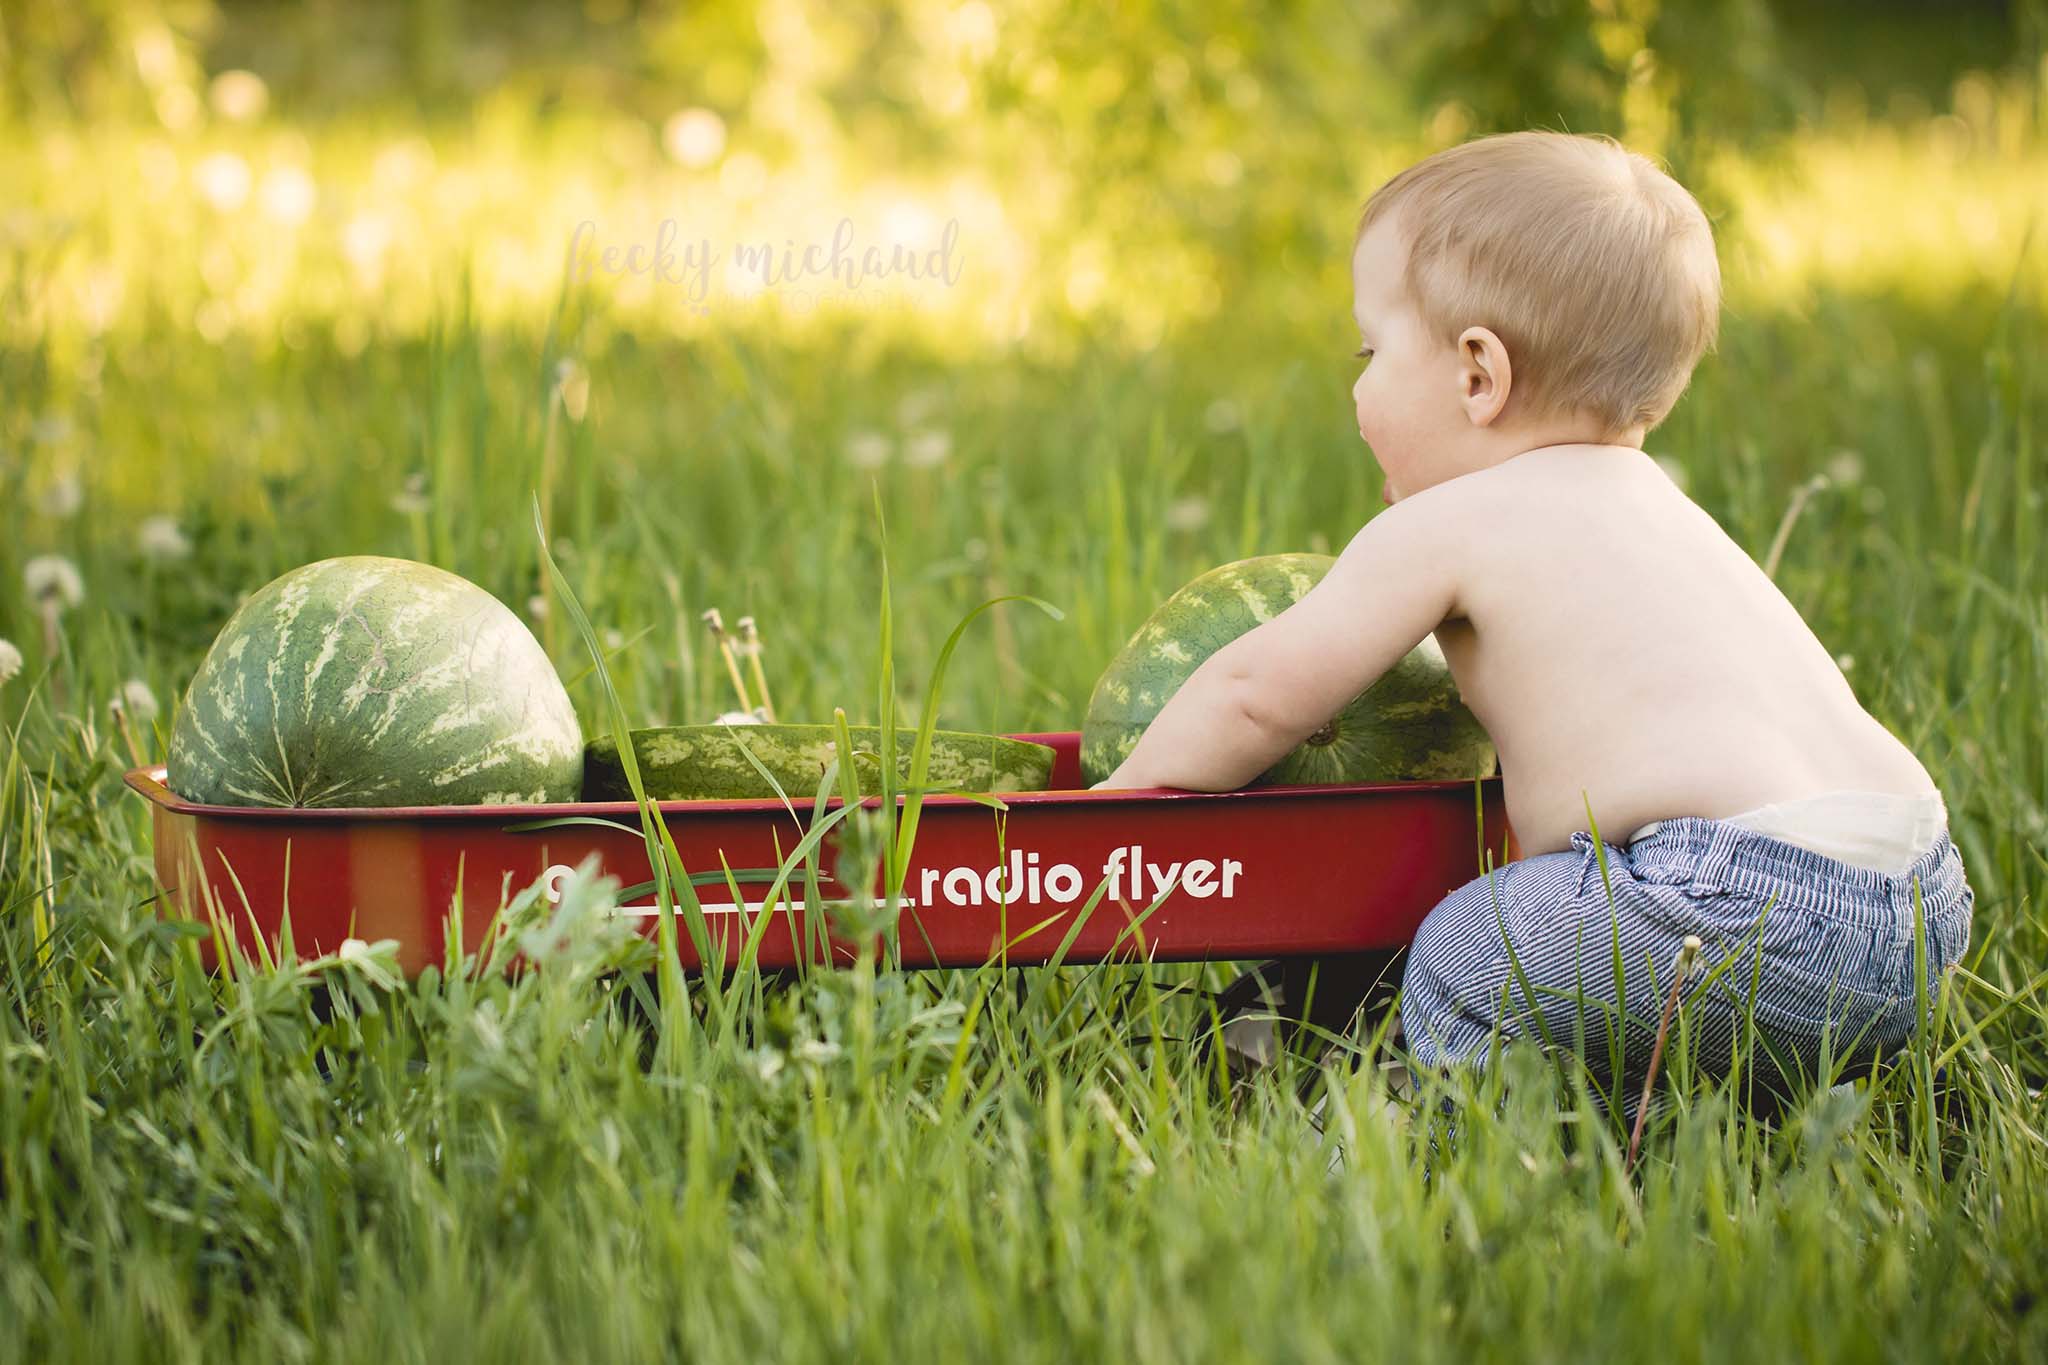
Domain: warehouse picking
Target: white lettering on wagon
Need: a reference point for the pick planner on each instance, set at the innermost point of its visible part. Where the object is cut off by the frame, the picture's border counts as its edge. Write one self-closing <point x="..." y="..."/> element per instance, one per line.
<point x="1019" y="881"/>
<point x="1129" y="873"/>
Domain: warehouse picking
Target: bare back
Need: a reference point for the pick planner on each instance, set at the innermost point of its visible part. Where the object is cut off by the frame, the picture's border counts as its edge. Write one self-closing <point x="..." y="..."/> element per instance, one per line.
<point x="1615" y="641"/>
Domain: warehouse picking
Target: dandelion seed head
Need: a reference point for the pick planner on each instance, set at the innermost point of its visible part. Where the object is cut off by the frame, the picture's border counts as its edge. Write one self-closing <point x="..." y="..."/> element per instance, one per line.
<point x="1845" y="467"/>
<point x="160" y="539"/>
<point x="10" y="660"/>
<point x="411" y="500"/>
<point x="136" y="699"/>
<point x="928" y="448"/>
<point x="62" y="499"/>
<point x="537" y="607"/>
<point x="1187" y="514"/>
<point x="867" y="449"/>
<point x="53" y="580"/>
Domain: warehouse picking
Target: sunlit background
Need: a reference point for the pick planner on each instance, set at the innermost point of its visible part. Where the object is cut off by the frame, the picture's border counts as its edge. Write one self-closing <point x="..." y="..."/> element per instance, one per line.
<point x="253" y="172"/>
<point x="285" y="280"/>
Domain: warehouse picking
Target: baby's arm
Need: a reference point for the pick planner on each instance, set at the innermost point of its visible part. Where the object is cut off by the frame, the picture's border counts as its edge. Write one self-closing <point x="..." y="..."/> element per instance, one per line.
<point x="1265" y="692"/>
<point x="1398" y="580"/>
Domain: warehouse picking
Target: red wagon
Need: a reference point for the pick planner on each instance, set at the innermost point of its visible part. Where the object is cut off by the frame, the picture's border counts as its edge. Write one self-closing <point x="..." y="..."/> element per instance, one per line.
<point x="1271" y="872"/>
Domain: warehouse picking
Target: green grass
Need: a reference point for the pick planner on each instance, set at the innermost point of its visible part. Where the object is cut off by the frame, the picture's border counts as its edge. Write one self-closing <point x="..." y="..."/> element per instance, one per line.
<point x="941" y="1165"/>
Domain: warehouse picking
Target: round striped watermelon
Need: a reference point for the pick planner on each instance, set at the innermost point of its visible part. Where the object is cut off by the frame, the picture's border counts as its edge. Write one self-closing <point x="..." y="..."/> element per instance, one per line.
<point x="367" y="681"/>
<point x="705" y="762"/>
<point x="1408" y="726"/>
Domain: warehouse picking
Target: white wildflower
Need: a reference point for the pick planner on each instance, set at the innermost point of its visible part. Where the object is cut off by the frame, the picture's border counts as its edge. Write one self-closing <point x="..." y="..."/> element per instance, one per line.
<point x="537" y="607"/>
<point x="159" y="538"/>
<point x="927" y="448"/>
<point x="1187" y="514"/>
<point x="10" y="660"/>
<point x="53" y="580"/>
<point x="694" y="137"/>
<point x="136" y="699"/>
<point x="1221" y="416"/>
<point x="411" y="500"/>
<point x="614" y="641"/>
<point x="867" y="449"/>
<point x="62" y="499"/>
<point x="1845" y="467"/>
<point x="1845" y="662"/>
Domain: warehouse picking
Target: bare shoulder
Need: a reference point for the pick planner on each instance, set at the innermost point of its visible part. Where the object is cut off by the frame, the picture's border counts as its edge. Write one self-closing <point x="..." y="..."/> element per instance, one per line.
<point x="1559" y="510"/>
<point x="1461" y="522"/>
<point x="1558" y="491"/>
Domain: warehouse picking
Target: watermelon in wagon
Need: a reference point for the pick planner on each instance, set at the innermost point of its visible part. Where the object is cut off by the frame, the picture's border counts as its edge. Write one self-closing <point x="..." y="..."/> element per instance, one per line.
<point x="712" y="762"/>
<point x="372" y="681"/>
<point x="1408" y="726"/>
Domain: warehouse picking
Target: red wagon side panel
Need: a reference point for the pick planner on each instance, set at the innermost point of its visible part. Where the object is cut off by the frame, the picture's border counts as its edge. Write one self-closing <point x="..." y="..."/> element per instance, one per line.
<point x="1271" y="872"/>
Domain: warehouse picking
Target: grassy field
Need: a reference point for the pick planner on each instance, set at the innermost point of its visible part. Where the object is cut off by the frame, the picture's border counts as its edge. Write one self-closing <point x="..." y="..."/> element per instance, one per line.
<point x="876" y="1163"/>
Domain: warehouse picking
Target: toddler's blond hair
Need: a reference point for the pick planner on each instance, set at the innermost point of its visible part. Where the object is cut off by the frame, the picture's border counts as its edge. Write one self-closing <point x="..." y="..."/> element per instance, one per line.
<point x="1594" y="267"/>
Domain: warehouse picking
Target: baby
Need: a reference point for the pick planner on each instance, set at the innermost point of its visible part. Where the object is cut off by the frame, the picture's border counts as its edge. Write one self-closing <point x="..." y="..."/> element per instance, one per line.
<point x="1530" y="305"/>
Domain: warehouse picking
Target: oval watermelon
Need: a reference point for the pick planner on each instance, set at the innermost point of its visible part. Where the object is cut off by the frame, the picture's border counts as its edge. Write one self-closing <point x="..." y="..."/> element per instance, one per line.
<point x="368" y="681"/>
<point x="1408" y="726"/>
<point x="704" y="762"/>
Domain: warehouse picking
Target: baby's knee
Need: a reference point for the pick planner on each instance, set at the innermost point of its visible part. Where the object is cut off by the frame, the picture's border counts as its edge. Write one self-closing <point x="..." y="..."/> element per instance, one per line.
<point x="1466" y="952"/>
<point x="1447" y="987"/>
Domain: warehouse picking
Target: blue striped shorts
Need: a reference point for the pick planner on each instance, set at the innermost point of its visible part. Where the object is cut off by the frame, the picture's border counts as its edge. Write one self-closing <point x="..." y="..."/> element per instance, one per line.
<point x="1829" y="967"/>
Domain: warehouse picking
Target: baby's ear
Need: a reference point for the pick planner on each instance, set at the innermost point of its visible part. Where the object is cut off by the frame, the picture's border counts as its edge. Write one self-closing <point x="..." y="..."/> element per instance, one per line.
<point x="1484" y="374"/>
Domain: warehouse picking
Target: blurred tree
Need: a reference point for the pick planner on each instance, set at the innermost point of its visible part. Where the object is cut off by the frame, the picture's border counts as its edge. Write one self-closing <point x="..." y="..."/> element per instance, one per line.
<point x="102" y="57"/>
<point x="1669" y="79"/>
